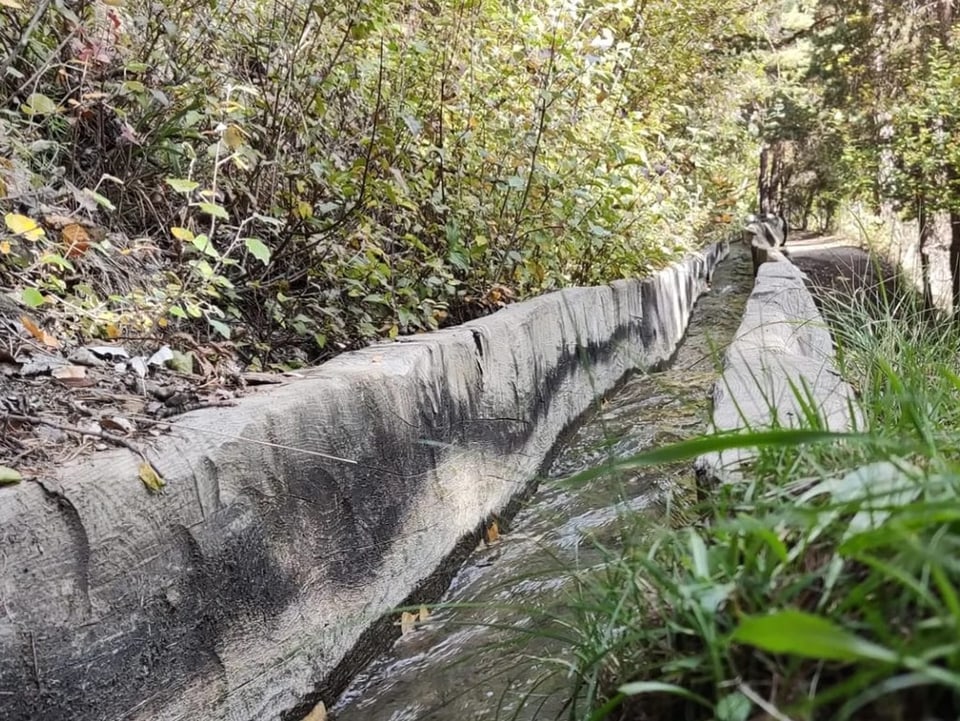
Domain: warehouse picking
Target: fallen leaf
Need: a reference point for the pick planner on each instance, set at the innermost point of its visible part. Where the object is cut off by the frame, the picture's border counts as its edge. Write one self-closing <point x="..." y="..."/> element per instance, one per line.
<point x="491" y="533"/>
<point x="73" y="376"/>
<point x="139" y="366"/>
<point x="23" y="225"/>
<point x="77" y="240"/>
<point x="319" y="713"/>
<point x="161" y="357"/>
<point x="117" y="423"/>
<point x="39" y="104"/>
<point x="69" y="372"/>
<point x="9" y="475"/>
<point x="38" y="364"/>
<point x="424" y="614"/>
<point x="151" y="479"/>
<point x="4" y="247"/>
<point x="11" y="4"/>
<point x="39" y="333"/>
<point x="58" y="222"/>
<point x="408" y="622"/>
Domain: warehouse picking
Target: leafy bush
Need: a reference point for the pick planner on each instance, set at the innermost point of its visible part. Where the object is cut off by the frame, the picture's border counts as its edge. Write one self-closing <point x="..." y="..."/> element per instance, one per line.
<point x="321" y="174"/>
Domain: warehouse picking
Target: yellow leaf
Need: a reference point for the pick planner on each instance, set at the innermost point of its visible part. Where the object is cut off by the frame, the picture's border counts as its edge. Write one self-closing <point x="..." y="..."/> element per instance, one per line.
<point x="111" y="331"/>
<point x="23" y="225"/>
<point x="151" y="479"/>
<point x="4" y="247"/>
<point x="11" y="4"/>
<point x="319" y="713"/>
<point x="424" y="614"/>
<point x="408" y="622"/>
<point x="39" y="333"/>
<point x="182" y="234"/>
<point x="113" y="3"/>
<point x="304" y="209"/>
<point x="233" y="137"/>
<point x="492" y="533"/>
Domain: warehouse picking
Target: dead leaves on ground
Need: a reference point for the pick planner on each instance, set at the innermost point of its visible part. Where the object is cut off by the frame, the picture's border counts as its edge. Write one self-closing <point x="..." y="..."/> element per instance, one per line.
<point x="39" y="333"/>
<point x="409" y="621"/>
<point x="9" y="476"/>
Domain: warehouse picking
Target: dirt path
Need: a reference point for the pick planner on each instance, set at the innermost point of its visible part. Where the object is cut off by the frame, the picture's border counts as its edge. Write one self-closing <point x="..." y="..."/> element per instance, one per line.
<point x="833" y="263"/>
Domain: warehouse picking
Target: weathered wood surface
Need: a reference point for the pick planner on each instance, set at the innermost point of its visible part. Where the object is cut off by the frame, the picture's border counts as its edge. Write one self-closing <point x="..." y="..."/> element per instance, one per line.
<point x="780" y="364"/>
<point x="293" y="521"/>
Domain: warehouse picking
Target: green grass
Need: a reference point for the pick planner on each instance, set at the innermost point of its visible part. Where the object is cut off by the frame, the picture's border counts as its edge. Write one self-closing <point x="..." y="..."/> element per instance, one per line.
<point x="827" y="586"/>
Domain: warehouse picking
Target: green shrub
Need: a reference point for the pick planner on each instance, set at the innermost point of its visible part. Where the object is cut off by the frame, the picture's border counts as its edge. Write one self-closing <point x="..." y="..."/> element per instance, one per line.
<point x="322" y="174"/>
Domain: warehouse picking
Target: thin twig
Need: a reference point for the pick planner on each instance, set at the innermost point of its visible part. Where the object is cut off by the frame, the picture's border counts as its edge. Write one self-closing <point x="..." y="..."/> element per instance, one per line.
<point x="170" y="425"/>
<point x="766" y="706"/>
<point x="101" y="434"/>
<point x="36" y="664"/>
<point x="25" y="38"/>
<point x="186" y="408"/>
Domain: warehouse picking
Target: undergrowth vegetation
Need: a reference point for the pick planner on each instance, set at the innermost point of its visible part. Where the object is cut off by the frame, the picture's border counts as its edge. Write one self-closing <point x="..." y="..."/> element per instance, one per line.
<point x="826" y="586"/>
<point x="310" y="175"/>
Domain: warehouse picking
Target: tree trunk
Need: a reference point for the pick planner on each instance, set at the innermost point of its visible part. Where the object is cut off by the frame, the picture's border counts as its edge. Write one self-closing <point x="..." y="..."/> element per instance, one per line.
<point x="926" y="233"/>
<point x="955" y="262"/>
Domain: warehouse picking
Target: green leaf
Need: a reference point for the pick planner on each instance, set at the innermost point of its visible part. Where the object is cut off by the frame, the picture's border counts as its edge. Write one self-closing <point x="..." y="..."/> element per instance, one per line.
<point x="804" y="634"/>
<point x="182" y="185"/>
<point x="685" y="450"/>
<point x="217" y="211"/>
<point x="205" y="245"/>
<point x="639" y="687"/>
<point x="258" y="250"/>
<point x="57" y="260"/>
<point x="734" y="707"/>
<point x="698" y="553"/>
<point x="39" y="104"/>
<point x="32" y="297"/>
<point x="219" y="326"/>
<point x="9" y="475"/>
<point x="99" y="199"/>
<point x="178" y="312"/>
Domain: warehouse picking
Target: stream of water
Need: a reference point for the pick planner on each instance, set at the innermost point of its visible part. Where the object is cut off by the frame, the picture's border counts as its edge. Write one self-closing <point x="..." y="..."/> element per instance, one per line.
<point x="469" y="663"/>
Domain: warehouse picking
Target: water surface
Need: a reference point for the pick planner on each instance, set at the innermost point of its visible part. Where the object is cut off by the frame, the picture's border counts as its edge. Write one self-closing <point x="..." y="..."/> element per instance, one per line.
<point x="470" y="663"/>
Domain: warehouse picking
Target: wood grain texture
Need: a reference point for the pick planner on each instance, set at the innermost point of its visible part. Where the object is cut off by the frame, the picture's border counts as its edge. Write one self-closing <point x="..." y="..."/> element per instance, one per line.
<point x="291" y="522"/>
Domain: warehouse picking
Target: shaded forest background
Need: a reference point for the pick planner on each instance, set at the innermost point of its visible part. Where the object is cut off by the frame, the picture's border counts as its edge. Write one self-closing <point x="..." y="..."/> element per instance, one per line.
<point x="296" y="178"/>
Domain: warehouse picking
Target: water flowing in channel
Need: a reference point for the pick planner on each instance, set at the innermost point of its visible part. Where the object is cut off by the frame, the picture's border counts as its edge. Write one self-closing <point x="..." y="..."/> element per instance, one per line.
<point x="494" y="656"/>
